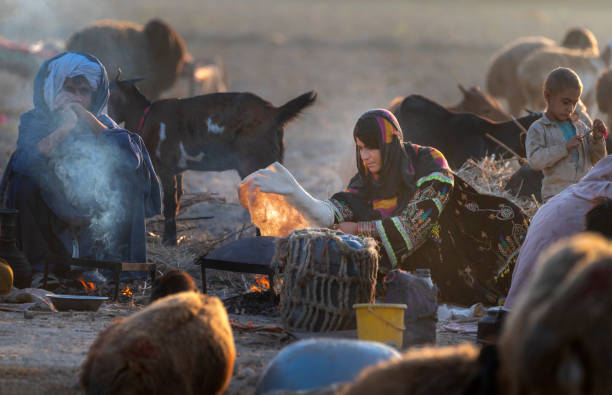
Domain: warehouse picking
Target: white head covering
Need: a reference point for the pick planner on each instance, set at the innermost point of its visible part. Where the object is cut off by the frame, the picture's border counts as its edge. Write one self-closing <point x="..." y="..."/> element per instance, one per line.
<point x="69" y="66"/>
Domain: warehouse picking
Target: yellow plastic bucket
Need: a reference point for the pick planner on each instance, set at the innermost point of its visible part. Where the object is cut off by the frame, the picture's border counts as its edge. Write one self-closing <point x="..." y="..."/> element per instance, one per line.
<point x="382" y="322"/>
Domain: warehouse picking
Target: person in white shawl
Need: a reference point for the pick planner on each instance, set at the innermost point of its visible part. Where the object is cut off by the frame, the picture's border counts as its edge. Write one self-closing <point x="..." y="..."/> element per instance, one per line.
<point x="562" y="216"/>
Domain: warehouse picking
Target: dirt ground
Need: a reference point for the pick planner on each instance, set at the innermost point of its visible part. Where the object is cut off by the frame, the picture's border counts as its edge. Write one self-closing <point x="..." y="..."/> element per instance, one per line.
<point x="356" y="54"/>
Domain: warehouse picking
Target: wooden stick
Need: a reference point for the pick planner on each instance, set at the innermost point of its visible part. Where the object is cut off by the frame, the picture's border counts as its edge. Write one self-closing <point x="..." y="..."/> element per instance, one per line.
<point x="504" y="146"/>
<point x="535" y="201"/>
<point x="517" y="123"/>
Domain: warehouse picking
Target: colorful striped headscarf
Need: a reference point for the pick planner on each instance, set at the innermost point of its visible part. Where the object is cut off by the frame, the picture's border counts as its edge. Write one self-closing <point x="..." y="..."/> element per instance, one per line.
<point x="392" y="189"/>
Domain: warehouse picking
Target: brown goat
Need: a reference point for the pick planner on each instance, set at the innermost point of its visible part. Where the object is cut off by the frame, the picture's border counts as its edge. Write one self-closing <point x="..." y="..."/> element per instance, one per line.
<point x="182" y="344"/>
<point x="154" y="51"/>
<point x="474" y="101"/>
<point x="556" y="340"/>
<point x="477" y="102"/>
<point x="215" y="132"/>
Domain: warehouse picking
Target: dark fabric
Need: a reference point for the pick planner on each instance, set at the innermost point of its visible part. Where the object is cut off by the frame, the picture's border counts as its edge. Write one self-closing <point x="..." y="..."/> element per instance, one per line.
<point x="97" y="188"/>
<point x="473" y="257"/>
<point x="38" y="228"/>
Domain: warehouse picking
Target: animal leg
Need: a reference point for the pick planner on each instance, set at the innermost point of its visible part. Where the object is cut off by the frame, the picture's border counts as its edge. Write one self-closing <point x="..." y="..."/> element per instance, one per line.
<point x="179" y="191"/>
<point x="169" y="184"/>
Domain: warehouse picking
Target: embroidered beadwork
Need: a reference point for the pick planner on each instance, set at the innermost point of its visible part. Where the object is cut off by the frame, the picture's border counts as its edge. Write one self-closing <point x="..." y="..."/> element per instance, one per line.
<point x="383" y="237"/>
<point x="402" y="231"/>
<point x="435" y="176"/>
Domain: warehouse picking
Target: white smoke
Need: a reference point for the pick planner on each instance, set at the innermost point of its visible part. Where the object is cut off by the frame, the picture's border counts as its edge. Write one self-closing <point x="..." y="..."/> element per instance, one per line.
<point x="88" y="171"/>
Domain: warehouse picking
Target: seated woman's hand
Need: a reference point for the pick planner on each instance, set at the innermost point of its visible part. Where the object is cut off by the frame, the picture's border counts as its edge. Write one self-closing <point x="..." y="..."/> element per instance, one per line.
<point x="346" y="227"/>
<point x="274" y="179"/>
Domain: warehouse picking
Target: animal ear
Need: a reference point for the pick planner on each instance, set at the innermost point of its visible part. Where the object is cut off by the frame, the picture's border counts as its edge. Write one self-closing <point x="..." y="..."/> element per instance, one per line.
<point x="462" y="89"/>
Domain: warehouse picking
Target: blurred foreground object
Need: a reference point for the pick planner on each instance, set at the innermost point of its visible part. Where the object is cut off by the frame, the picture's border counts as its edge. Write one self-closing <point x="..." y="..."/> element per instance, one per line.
<point x="6" y="277"/>
<point x="314" y="363"/>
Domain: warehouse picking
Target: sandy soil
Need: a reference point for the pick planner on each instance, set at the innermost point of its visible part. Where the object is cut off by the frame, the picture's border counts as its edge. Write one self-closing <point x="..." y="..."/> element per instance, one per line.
<point x="357" y="54"/>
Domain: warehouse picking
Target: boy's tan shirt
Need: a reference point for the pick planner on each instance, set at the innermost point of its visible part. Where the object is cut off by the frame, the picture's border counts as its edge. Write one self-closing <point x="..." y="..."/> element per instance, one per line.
<point x="545" y="146"/>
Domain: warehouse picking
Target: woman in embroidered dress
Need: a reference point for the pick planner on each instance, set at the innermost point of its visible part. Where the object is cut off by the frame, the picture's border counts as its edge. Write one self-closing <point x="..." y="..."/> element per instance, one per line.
<point x="423" y="215"/>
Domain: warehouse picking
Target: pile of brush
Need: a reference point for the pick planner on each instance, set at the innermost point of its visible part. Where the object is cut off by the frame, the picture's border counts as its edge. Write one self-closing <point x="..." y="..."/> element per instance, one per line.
<point x="489" y="176"/>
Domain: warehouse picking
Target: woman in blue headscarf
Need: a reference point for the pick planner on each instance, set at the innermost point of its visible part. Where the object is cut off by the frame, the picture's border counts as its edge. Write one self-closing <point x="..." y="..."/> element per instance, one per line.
<point x="82" y="185"/>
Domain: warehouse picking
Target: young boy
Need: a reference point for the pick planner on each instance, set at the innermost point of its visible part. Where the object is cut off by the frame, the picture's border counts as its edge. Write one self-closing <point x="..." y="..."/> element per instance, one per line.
<point x="560" y="143"/>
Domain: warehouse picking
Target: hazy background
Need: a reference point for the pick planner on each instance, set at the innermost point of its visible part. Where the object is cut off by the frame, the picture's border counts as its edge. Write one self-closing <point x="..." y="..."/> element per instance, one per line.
<point x="357" y="54"/>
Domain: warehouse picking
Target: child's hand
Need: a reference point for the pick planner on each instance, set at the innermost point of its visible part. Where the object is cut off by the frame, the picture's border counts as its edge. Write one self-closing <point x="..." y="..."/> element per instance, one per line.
<point x="599" y="128"/>
<point x="574" y="142"/>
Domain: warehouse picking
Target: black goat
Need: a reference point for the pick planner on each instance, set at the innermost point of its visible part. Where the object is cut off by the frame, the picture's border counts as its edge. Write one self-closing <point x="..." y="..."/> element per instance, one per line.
<point x="458" y="136"/>
<point x="214" y="132"/>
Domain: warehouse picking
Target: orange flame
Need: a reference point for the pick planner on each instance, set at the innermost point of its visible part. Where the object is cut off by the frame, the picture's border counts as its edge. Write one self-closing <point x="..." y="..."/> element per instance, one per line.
<point x="262" y="284"/>
<point x="270" y="212"/>
<point x="127" y="291"/>
<point x="89" y="286"/>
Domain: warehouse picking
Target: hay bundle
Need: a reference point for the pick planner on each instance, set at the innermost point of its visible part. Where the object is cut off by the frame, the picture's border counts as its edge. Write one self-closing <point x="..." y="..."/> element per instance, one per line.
<point x="325" y="273"/>
<point x="489" y="176"/>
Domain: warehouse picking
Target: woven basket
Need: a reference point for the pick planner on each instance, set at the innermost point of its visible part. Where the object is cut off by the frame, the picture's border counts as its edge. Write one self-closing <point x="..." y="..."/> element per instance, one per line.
<point x="325" y="272"/>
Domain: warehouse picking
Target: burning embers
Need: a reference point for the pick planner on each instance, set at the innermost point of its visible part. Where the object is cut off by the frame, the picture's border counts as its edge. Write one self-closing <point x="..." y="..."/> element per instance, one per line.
<point x="270" y="212"/>
<point x="262" y="284"/>
<point x="127" y="292"/>
<point x="88" y="286"/>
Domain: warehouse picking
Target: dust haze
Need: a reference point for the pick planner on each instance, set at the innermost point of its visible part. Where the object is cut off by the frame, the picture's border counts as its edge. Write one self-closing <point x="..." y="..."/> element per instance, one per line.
<point x="357" y="54"/>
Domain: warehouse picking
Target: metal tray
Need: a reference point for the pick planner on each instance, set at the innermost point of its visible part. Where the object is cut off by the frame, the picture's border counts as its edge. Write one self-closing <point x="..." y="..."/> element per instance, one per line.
<point x="76" y="302"/>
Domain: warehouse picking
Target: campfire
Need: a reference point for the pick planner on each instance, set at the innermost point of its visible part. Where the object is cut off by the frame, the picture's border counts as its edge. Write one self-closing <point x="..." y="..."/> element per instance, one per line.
<point x="127" y="291"/>
<point x="261" y="284"/>
<point x="270" y="212"/>
<point x="88" y="286"/>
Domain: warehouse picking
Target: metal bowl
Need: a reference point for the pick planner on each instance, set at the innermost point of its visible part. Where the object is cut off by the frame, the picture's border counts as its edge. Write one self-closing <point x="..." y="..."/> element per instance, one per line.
<point x="76" y="302"/>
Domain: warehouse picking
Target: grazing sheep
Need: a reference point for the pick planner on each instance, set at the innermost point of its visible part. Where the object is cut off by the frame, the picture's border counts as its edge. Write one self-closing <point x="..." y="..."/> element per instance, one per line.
<point x="603" y="94"/>
<point x="502" y="76"/>
<point x="181" y="344"/>
<point x="556" y="341"/>
<point x="532" y="72"/>
<point x="215" y="132"/>
<point x="581" y="38"/>
<point x="170" y="283"/>
<point x="154" y="51"/>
